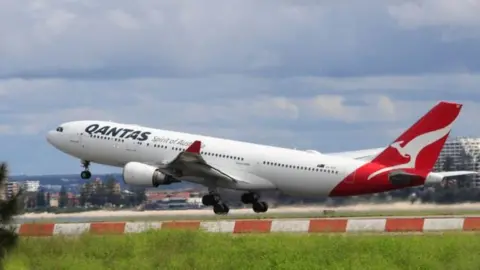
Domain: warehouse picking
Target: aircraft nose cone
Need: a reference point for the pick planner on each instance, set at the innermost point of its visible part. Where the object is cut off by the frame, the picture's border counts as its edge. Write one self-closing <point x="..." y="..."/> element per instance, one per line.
<point x="50" y="137"/>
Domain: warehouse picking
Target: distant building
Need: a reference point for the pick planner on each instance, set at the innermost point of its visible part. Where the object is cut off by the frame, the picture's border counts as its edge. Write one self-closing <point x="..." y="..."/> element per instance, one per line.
<point x="12" y="189"/>
<point x="3" y="192"/>
<point x="31" y="186"/>
<point x="96" y="184"/>
<point x="117" y="189"/>
<point x="465" y="154"/>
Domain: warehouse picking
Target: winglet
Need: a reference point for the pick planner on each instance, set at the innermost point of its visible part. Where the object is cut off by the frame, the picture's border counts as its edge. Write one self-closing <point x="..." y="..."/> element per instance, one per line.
<point x="194" y="147"/>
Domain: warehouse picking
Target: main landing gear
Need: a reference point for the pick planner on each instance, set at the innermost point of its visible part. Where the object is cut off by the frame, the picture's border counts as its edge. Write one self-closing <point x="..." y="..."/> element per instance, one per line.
<point x="85" y="174"/>
<point x="253" y="198"/>
<point x="213" y="199"/>
<point x="220" y="208"/>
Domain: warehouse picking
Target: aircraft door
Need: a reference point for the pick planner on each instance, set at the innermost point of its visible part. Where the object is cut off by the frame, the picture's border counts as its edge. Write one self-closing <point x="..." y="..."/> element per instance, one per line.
<point x="131" y="148"/>
<point x="82" y="141"/>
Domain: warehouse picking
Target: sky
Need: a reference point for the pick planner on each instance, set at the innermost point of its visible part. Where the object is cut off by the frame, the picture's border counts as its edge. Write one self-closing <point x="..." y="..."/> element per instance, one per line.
<point x="309" y="74"/>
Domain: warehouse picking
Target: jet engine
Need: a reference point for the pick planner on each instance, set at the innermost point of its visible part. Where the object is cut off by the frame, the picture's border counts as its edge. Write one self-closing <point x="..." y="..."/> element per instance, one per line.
<point x="139" y="174"/>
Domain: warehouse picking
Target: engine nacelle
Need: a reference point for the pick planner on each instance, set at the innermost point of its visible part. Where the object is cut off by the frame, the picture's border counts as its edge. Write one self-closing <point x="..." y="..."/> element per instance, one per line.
<point x="139" y="174"/>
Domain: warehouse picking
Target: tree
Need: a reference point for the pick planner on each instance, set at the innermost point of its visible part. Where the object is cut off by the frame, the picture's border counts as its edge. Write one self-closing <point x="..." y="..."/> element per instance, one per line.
<point x="85" y="193"/>
<point x="98" y="196"/>
<point x="41" y="201"/>
<point x="48" y="196"/>
<point x="112" y="197"/>
<point x="63" y="197"/>
<point x="9" y="208"/>
<point x="139" y="195"/>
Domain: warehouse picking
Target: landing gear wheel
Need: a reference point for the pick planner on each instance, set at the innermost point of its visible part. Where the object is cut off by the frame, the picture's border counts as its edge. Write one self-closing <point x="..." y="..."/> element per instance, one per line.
<point x="260" y="207"/>
<point x="85" y="174"/>
<point x="221" y="209"/>
<point x="210" y="199"/>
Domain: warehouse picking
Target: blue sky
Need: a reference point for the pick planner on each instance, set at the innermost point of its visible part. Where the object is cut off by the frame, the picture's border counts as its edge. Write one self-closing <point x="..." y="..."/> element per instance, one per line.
<point x="308" y="74"/>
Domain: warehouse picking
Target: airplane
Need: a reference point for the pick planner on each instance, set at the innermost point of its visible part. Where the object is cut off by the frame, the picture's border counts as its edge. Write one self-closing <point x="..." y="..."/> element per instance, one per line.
<point x="153" y="157"/>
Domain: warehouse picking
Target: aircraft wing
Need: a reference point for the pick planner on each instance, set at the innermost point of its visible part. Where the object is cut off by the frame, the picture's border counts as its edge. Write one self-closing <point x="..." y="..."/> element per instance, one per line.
<point x="191" y="164"/>
<point x="366" y="154"/>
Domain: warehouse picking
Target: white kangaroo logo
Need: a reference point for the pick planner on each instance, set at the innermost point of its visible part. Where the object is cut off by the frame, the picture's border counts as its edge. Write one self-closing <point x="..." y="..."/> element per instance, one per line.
<point x="413" y="148"/>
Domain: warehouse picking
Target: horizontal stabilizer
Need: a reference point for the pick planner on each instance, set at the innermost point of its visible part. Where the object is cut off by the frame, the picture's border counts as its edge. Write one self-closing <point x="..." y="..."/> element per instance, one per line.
<point x="456" y="173"/>
<point x="437" y="177"/>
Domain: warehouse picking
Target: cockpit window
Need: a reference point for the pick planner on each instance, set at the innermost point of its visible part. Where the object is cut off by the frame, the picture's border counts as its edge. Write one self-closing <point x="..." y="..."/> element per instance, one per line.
<point x="60" y="129"/>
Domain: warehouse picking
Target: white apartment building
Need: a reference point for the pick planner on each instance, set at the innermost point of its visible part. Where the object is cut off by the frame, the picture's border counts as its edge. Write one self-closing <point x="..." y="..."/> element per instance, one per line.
<point x="8" y="190"/>
<point x="465" y="152"/>
<point x="3" y="192"/>
<point x="31" y="186"/>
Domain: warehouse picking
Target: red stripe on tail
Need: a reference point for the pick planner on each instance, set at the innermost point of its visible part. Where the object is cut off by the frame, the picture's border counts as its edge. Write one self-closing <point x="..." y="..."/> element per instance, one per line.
<point x="424" y="140"/>
<point x="414" y="152"/>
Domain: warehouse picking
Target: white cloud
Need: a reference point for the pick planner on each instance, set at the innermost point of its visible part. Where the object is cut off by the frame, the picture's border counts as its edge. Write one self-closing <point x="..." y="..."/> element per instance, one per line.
<point x="228" y="102"/>
<point x="6" y="129"/>
<point x="457" y="19"/>
<point x="375" y="108"/>
<point x="455" y="82"/>
<point x="119" y="39"/>
<point x="463" y="13"/>
<point x="298" y="73"/>
<point x="332" y="106"/>
<point x="123" y="19"/>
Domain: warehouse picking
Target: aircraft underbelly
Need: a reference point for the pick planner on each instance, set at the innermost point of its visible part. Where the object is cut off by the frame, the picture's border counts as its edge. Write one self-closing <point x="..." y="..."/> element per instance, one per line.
<point x="310" y="184"/>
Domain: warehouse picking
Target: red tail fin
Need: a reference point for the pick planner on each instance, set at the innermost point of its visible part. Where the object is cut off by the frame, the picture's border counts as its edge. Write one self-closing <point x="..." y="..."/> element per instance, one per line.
<point x="419" y="147"/>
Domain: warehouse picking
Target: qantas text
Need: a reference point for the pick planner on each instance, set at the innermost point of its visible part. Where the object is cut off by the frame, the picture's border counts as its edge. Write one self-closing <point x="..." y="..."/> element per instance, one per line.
<point x="124" y="133"/>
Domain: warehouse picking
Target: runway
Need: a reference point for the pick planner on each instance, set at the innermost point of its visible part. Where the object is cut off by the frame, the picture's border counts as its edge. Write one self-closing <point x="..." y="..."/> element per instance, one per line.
<point x="360" y="210"/>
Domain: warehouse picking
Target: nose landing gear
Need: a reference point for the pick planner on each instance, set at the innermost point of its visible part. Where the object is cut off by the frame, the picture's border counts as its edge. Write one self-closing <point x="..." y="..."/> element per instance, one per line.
<point x="86" y="174"/>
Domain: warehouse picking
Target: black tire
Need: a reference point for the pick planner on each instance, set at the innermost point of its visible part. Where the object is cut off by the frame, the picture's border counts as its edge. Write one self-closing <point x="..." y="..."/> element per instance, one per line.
<point x="260" y="207"/>
<point x="264" y="206"/>
<point x="221" y="209"/>
<point x="85" y="175"/>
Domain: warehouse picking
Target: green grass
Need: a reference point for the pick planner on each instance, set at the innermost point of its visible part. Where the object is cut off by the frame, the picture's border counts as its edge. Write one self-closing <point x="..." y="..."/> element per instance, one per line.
<point x="184" y="250"/>
<point x="233" y="215"/>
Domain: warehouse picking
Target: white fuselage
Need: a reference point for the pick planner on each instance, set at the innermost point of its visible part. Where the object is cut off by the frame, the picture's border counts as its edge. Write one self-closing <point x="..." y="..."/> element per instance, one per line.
<point x="292" y="171"/>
